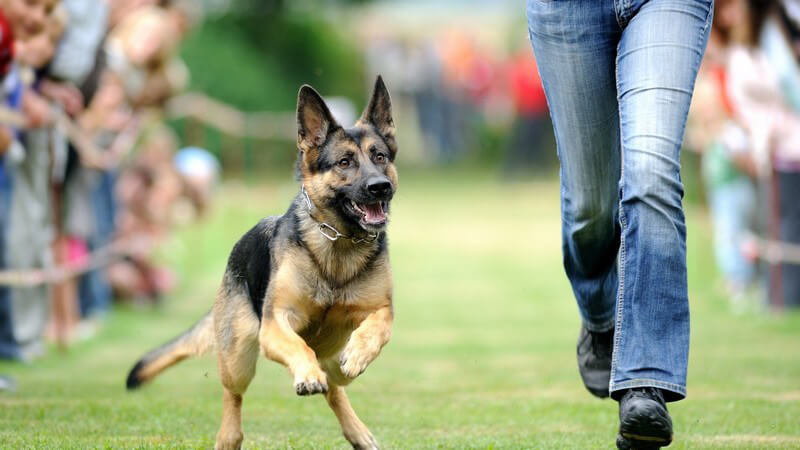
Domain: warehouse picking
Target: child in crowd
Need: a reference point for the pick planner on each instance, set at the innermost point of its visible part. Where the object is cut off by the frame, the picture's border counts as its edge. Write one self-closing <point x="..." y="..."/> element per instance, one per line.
<point x="83" y="82"/>
<point x="11" y="92"/>
<point x="30" y="234"/>
<point x="749" y="90"/>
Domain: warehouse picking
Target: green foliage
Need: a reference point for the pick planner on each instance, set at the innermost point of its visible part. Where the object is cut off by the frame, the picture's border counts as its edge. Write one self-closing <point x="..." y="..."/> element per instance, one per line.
<point x="259" y="62"/>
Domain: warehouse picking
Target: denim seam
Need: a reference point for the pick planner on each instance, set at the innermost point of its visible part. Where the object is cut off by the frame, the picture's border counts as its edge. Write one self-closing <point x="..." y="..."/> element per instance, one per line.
<point x="622" y="254"/>
<point x="618" y="332"/>
<point x="709" y="18"/>
<point x="623" y="226"/>
<point x="648" y="382"/>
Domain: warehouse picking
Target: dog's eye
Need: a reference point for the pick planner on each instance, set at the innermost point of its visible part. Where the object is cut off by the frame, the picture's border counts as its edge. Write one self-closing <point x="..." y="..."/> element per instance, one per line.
<point x="344" y="163"/>
<point x="380" y="157"/>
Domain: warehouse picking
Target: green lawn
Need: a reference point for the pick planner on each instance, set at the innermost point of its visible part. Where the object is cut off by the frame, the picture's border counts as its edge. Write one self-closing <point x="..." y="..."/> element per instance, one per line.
<point x="482" y="354"/>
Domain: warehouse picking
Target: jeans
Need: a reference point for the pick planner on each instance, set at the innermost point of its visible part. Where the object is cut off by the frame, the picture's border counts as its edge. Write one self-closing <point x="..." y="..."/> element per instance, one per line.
<point x="93" y="287"/>
<point x="788" y="291"/>
<point x="732" y="207"/>
<point x="8" y="344"/>
<point x="619" y="76"/>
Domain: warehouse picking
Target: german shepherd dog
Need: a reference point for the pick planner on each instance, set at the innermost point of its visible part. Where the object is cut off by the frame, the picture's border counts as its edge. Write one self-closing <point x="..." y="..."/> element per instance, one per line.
<point x="311" y="289"/>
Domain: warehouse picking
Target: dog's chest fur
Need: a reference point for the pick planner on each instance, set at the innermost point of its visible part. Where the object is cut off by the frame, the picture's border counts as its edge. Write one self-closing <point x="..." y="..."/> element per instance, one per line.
<point x="338" y="273"/>
<point x="338" y="285"/>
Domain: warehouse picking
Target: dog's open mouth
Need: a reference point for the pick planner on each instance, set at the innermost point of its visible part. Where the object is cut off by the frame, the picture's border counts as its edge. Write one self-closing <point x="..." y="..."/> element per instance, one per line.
<point x="371" y="213"/>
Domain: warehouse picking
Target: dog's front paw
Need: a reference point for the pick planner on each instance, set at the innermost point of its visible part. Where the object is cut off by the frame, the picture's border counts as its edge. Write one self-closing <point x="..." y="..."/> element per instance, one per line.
<point x="313" y="382"/>
<point x="364" y="442"/>
<point x="229" y="440"/>
<point x="354" y="359"/>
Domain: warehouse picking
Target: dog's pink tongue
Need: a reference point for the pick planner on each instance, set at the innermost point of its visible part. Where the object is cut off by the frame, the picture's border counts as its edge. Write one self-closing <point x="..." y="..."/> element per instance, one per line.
<point x="374" y="213"/>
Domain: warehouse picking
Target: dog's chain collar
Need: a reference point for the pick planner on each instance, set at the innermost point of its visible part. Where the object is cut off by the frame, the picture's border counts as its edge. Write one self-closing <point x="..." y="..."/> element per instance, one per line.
<point x="329" y="231"/>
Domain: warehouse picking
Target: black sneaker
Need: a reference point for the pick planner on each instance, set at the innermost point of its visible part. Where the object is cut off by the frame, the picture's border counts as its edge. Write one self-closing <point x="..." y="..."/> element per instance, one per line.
<point x="644" y="421"/>
<point x="594" y="360"/>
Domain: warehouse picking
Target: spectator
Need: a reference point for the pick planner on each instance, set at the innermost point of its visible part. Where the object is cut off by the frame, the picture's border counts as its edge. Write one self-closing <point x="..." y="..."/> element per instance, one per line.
<point x="72" y="85"/>
<point x="11" y="92"/>
<point x="728" y="164"/>
<point x="783" y="59"/>
<point x="532" y="141"/>
<point x="34" y="216"/>
<point x="88" y="191"/>
<point x="762" y="82"/>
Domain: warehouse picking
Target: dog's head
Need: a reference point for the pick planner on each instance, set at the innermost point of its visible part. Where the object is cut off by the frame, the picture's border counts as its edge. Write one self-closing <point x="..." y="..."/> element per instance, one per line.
<point x="348" y="173"/>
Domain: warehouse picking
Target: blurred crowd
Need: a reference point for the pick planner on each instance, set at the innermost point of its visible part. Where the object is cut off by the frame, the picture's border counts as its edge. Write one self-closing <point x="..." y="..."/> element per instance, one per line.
<point x="469" y="96"/>
<point x="745" y="121"/>
<point x="91" y="178"/>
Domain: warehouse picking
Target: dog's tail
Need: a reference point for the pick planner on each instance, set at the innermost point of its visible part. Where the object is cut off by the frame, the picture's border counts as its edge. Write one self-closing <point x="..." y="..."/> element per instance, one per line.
<point x="197" y="340"/>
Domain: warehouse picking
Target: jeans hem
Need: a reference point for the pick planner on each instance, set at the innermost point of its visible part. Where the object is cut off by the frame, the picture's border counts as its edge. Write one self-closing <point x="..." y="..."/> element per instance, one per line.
<point x="672" y="392"/>
<point x="608" y="325"/>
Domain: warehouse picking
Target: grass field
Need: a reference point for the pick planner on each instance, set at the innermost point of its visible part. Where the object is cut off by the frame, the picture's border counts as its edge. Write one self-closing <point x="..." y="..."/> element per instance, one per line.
<point x="482" y="354"/>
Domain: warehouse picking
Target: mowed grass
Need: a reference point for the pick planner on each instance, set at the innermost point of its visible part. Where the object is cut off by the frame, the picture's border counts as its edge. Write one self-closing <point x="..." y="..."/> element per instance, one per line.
<point x="482" y="354"/>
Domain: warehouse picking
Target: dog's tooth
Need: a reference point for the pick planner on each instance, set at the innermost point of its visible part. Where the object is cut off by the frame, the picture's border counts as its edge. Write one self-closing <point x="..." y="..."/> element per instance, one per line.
<point x="355" y="206"/>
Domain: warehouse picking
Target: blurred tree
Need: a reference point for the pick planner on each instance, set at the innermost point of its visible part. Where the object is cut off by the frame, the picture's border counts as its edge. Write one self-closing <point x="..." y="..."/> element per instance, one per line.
<point x="256" y="7"/>
<point x="257" y="54"/>
<point x="266" y="7"/>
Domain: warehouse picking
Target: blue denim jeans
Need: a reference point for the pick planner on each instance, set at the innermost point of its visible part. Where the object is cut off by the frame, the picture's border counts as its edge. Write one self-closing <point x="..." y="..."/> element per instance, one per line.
<point x="619" y="76"/>
<point x="732" y="207"/>
<point x="8" y="344"/>
<point x="94" y="288"/>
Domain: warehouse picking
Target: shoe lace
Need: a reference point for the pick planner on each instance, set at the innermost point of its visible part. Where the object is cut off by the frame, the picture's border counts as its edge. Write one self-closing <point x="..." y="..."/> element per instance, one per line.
<point x="647" y="392"/>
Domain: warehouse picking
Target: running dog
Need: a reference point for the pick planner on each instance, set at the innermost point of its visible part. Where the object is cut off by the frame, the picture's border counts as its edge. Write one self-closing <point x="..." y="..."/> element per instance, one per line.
<point x="311" y="289"/>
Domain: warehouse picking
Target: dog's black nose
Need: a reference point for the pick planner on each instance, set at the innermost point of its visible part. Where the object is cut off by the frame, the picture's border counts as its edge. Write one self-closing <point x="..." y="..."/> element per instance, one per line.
<point x="379" y="186"/>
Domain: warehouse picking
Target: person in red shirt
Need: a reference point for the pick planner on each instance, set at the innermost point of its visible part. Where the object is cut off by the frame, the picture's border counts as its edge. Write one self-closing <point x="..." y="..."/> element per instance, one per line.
<point x="532" y="143"/>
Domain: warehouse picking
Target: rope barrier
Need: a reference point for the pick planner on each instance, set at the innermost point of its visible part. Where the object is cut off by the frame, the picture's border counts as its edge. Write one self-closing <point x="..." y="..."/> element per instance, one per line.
<point x="261" y="125"/>
<point x="51" y="275"/>
<point x="775" y="252"/>
<point x="89" y="153"/>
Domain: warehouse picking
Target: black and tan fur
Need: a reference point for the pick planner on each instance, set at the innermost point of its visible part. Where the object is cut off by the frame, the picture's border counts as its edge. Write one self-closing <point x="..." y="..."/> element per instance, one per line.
<point x="321" y="308"/>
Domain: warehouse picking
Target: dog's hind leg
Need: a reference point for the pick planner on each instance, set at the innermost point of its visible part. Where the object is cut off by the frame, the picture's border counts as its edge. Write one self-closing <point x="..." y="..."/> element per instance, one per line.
<point x="353" y="428"/>
<point x="237" y="344"/>
<point x="230" y="434"/>
<point x="236" y="371"/>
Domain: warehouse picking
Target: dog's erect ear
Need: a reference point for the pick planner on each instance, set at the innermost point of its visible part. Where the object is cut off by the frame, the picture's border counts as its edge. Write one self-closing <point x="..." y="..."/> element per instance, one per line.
<point x="314" y="119"/>
<point x="379" y="110"/>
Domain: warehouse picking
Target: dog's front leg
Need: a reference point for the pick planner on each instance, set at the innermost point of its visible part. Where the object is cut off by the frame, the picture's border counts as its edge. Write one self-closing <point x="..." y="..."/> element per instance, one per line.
<point x="366" y="341"/>
<point x="282" y="344"/>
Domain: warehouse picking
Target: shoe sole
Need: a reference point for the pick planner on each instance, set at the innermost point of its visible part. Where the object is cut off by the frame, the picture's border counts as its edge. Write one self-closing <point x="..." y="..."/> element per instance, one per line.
<point x="649" y="428"/>
<point x="629" y="441"/>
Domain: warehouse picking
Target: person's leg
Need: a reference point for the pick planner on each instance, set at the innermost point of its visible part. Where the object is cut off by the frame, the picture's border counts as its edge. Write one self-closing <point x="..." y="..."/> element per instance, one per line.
<point x="575" y="43"/>
<point x="731" y="207"/>
<point x="94" y="289"/>
<point x="788" y="185"/>
<point x="658" y="56"/>
<point x="9" y="349"/>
